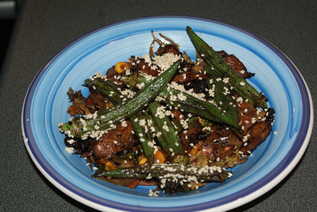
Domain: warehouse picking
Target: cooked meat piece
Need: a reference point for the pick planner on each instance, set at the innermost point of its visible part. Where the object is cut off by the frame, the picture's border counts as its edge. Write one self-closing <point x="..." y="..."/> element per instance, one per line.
<point x="169" y="48"/>
<point x="222" y="53"/>
<point x="145" y="68"/>
<point x="84" y="106"/>
<point x="139" y="65"/>
<point x="96" y="101"/>
<point x="198" y="67"/>
<point x="74" y="95"/>
<point x="78" y="107"/>
<point x="248" y="116"/>
<point x="233" y="139"/>
<point x="114" y="141"/>
<point x="177" y="115"/>
<point x="189" y="136"/>
<point x="220" y="148"/>
<point x="131" y="183"/>
<point x="258" y="133"/>
<point x="235" y="64"/>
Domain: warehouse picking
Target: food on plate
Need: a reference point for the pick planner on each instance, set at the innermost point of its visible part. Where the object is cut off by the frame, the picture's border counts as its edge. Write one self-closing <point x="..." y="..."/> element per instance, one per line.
<point x="164" y="119"/>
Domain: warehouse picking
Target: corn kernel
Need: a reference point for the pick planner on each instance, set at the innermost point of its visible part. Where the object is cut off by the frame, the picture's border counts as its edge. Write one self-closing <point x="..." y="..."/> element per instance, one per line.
<point x="142" y="160"/>
<point x="121" y="67"/>
<point x="159" y="157"/>
<point x="110" y="165"/>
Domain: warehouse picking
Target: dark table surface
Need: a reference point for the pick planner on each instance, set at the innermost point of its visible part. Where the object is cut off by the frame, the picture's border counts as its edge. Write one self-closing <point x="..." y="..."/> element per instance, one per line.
<point x="46" y="27"/>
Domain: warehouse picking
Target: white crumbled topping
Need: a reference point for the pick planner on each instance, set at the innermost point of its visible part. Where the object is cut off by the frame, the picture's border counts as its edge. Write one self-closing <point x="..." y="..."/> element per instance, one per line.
<point x="165" y="127"/>
<point x="160" y="112"/>
<point x="184" y="123"/>
<point x="128" y="72"/>
<point x="128" y="93"/>
<point x="168" y="113"/>
<point x="226" y="91"/>
<point x="242" y="83"/>
<point x="142" y="122"/>
<point x="239" y="99"/>
<point x="211" y="91"/>
<point x="190" y="92"/>
<point x="158" y="134"/>
<point x="159" y="99"/>
<point x="99" y="76"/>
<point x="225" y="80"/>
<point x="71" y="141"/>
<point x="140" y="85"/>
<point x="147" y="58"/>
<point x="89" y="116"/>
<point x="173" y="98"/>
<point x="174" y="175"/>
<point x="153" y="193"/>
<point x="124" y="124"/>
<point x="206" y="129"/>
<point x="147" y="76"/>
<point x="70" y="150"/>
<point x="245" y="138"/>
<point x="181" y="97"/>
<point x="164" y="61"/>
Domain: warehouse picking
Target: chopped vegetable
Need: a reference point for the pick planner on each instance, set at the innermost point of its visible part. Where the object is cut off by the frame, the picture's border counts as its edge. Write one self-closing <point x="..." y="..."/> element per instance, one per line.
<point x="172" y="177"/>
<point x="222" y="69"/>
<point x="139" y="125"/>
<point x="192" y="104"/>
<point x="166" y="132"/>
<point x="76" y="128"/>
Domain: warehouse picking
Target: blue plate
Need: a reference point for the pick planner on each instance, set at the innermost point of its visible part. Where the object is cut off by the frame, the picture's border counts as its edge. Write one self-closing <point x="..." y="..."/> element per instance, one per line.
<point x="46" y="103"/>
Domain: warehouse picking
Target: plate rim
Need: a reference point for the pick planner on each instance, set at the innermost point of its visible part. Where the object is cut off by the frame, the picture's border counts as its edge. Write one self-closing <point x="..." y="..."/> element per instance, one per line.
<point x="272" y="182"/>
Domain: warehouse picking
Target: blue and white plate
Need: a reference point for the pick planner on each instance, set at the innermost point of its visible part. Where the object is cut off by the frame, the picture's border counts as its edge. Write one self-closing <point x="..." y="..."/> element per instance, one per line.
<point x="46" y="103"/>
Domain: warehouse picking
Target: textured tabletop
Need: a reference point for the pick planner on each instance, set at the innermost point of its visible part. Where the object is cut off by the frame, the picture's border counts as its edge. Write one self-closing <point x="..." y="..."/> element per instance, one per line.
<point x="46" y="27"/>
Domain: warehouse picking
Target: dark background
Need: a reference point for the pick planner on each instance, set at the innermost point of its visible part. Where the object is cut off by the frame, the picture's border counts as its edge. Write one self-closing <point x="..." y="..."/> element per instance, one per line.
<point x="43" y="28"/>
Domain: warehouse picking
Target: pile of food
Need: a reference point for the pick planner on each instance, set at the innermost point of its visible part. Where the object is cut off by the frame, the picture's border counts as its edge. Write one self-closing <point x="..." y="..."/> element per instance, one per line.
<point x="167" y="120"/>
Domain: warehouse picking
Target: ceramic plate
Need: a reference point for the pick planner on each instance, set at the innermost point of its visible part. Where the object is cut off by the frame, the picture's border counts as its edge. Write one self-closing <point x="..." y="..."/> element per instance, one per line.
<point x="276" y="76"/>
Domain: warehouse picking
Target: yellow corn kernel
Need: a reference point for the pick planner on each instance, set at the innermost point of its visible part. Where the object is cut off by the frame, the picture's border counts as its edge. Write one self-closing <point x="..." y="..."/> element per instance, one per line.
<point x="194" y="150"/>
<point x="110" y="165"/>
<point x="121" y="67"/>
<point x="159" y="157"/>
<point x="142" y="160"/>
